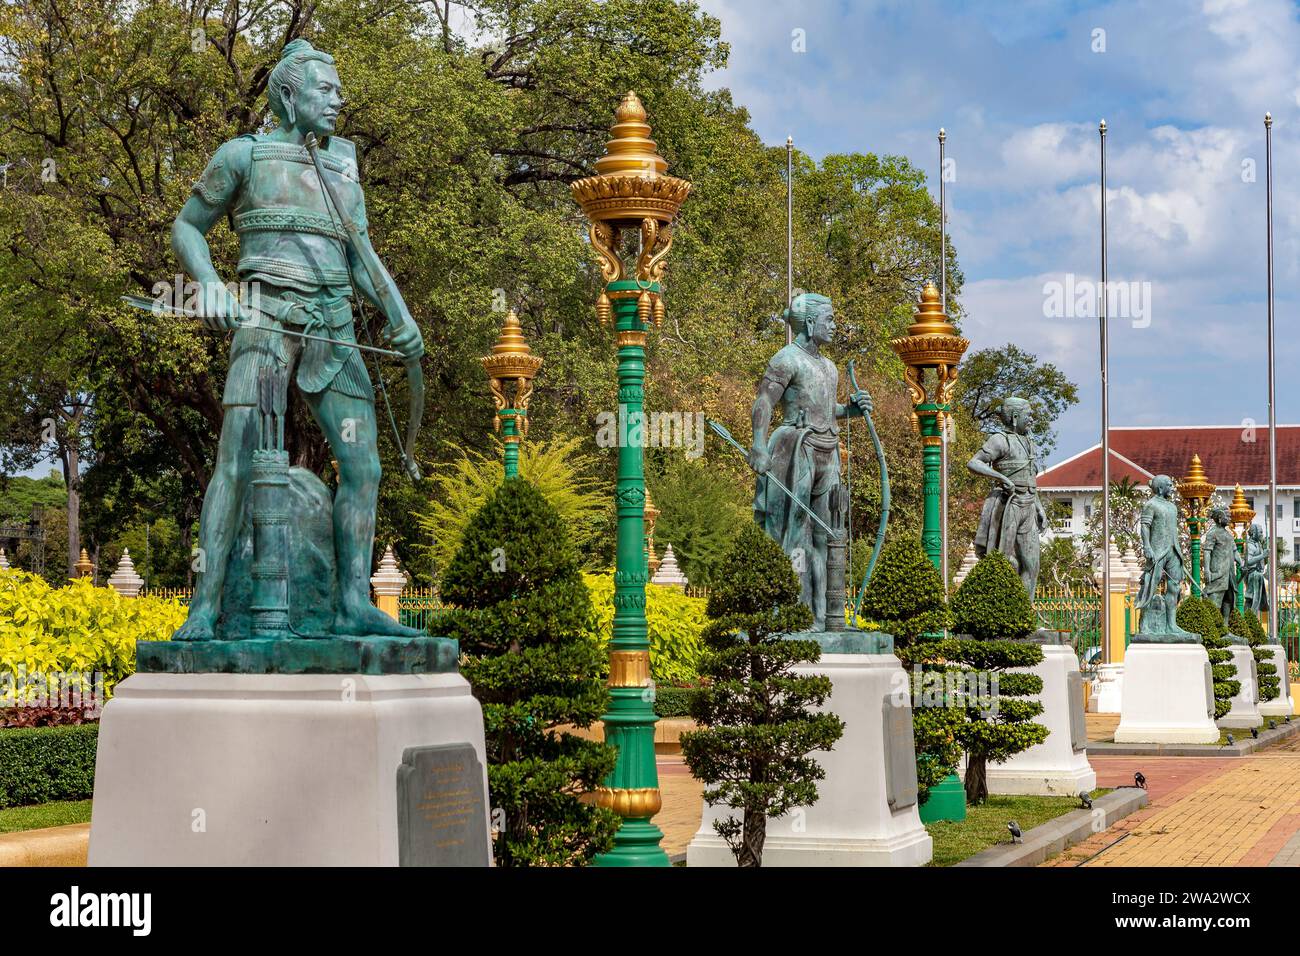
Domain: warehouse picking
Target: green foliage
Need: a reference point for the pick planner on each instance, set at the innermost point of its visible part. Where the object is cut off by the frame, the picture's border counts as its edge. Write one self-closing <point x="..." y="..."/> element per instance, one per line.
<point x="673" y="701"/>
<point x="20" y="494"/>
<point x="990" y="375"/>
<point x="460" y="487"/>
<point x="674" y="623"/>
<point x="701" y="509"/>
<point x="905" y="598"/>
<point x="42" y="764"/>
<point x="75" y="629"/>
<point x="991" y="602"/>
<point x="522" y="613"/>
<point x="999" y="706"/>
<point x="757" y="718"/>
<point x="1265" y="669"/>
<point x="905" y="594"/>
<point x="1201" y="616"/>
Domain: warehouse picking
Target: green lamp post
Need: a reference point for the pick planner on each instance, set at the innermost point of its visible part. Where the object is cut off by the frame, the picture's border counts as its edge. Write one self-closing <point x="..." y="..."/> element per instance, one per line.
<point x="1242" y="515"/>
<point x="631" y="192"/>
<point x="931" y="351"/>
<point x="1196" y="490"/>
<point x="511" y="361"/>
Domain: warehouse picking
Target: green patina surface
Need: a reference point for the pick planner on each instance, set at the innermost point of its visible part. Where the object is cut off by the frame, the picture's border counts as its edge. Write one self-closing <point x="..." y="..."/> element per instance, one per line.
<point x="335" y="655"/>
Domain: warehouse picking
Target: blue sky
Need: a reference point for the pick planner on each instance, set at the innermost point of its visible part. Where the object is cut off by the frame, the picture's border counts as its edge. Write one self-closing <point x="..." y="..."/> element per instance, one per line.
<point x="1183" y="87"/>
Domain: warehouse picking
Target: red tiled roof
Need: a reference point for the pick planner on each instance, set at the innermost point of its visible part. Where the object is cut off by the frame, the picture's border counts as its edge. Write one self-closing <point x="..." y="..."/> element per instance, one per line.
<point x="1229" y="456"/>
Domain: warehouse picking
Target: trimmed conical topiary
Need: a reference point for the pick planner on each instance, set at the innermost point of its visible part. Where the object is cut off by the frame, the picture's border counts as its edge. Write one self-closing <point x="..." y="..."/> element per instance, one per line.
<point x="523" y="611"/>
<point x="905" y="594"/>
<point x="992" y="602"/>
<point x="1265" y="669"/>
<point x="1202" y="616"/>
<point x="905" y="598"/>
<point x="1000" y="704"/>
<point x="758" y="726"/>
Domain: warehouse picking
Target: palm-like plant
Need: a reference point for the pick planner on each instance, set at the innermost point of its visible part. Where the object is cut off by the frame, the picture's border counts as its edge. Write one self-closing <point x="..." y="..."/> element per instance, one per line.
<point x="563" y="474"/>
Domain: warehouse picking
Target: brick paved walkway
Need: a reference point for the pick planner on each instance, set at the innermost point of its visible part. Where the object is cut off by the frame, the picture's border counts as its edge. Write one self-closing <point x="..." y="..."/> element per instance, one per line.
<point x="1204" y="811"/>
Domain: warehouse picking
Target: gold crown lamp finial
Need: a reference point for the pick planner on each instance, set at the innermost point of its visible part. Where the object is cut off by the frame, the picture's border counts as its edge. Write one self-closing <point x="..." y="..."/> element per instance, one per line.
<point x="1240" y="512"/>
<point x="512" y="361"/>
<point x="1196" y="488"/>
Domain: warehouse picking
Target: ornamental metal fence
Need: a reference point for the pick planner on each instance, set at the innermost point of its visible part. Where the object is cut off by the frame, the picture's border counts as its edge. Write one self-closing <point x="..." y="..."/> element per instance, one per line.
<point x="182" y="595"/>
<point x="1076" y="612"/>
<point x="420" y="608"/>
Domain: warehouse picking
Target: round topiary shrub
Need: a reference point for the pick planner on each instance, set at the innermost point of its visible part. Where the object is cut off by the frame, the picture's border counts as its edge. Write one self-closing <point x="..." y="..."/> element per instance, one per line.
<point x="905" y="594"/>
<point x="992" y="603"/>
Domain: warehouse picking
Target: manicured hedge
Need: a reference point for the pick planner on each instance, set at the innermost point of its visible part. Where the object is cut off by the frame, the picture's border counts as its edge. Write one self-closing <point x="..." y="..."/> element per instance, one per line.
<point x="41" y="764"/>
<point x="673" y="701"/>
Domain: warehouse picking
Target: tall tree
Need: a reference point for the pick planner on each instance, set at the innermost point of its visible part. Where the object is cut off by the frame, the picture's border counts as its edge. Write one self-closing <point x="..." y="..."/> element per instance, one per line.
<point x="990" y="375"/>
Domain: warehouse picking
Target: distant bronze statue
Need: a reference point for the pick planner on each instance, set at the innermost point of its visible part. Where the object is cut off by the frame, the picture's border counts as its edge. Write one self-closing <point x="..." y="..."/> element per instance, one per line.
<point x="1162" y="564"/>
<point x="1254" y="569"/>
<point x="1013" y="517"/>
<point x="803" y="455"/>
<point x="1219" y="558"/>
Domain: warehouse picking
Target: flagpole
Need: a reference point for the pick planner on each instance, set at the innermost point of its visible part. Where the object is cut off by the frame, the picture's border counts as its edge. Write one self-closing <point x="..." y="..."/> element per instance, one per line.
<point x="1105" y="423"/>
<point x="943" y="299"/>
<point x="1272" y="394"/>
<point x="789" y="233"/>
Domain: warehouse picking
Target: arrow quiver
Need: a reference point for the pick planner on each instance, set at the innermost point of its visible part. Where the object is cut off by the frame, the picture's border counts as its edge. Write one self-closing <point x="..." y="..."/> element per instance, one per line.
<point x="270" y="489"/>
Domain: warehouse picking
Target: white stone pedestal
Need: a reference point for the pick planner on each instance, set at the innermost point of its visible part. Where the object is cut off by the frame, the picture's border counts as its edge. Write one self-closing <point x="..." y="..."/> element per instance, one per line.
<point x="851" y="824"/>
<point x="266" y="769"/>
<point x="1107" y="690"/>
<point x="1244" y="712"/>
<point x="1059" y="765"/>
<point x="1168" y="696"/>
<point x="1282" y="705"/>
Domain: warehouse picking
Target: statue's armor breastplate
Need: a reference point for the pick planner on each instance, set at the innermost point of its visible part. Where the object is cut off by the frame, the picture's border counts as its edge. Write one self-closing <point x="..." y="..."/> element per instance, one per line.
<point x="286" y="234"/>
<point x="809" y="399"/>
<point x="1019" y="463"/>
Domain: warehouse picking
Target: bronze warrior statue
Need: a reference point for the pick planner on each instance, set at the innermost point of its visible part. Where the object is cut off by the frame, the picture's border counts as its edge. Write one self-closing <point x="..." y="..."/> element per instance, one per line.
<point x="305" y="265"/>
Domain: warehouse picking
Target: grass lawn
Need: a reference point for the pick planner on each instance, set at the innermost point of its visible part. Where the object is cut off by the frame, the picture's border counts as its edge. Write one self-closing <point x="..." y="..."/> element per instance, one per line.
<point x="41" y="815"/>
<point x="986" y="825"/>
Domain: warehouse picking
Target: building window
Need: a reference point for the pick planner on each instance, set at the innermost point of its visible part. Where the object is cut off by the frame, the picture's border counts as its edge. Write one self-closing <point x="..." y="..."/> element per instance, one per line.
<point x="1295" y="548"/>
<point x="1087" y="511"/>
<point x="1250" y="502"/>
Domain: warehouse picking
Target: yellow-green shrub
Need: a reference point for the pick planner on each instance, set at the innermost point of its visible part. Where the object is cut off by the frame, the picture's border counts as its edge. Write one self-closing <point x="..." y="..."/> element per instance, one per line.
<point x="78" y="628"/>
<point x="674" y="621"/>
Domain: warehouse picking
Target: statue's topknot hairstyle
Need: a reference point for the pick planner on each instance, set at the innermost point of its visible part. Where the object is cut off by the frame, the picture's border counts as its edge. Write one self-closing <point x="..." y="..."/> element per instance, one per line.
<point x="806" y="306"/>
<point x="288" y="72"/>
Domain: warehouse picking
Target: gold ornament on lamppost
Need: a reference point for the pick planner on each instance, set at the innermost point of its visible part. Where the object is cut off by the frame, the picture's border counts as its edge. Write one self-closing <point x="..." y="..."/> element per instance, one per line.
<point x="1196" y="490"/>
<point x="931" y="343"/>
<point x="84" y="566"/>
<point x="1240" y="513"/>
<point x="511" y="362"/>
<point x="631" y="191"/>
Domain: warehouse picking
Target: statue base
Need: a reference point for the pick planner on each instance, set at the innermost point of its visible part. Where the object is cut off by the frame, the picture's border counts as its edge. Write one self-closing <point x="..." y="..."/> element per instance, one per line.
<point x="1282" y="705"/>
<point x="1168" y="695"/>
<point x="288" y="770"/>
<point x="335" y="655"/>
<point x="1244" y="713"/>
<point x="1059" y="765"/>
<point x="866" y="812"/>
<point x="1107" y="689"/>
